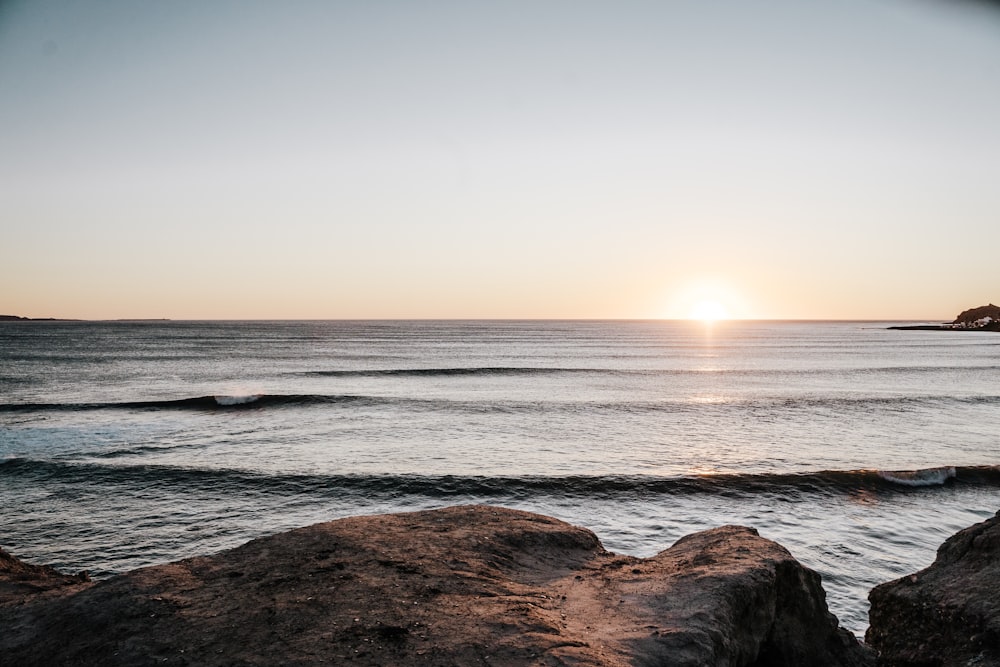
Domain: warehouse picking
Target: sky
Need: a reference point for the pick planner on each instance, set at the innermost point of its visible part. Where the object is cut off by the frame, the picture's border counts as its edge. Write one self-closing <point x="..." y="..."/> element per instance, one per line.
<point x="544" y="159"/>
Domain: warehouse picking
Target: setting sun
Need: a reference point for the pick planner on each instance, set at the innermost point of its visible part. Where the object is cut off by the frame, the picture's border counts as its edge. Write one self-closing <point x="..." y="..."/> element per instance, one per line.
<point x="706" y="299"/>
<point x="708" y="311"/>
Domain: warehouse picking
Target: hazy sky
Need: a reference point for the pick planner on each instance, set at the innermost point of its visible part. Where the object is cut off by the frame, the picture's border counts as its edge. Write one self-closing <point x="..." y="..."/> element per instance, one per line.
<point x="788" y="159"/>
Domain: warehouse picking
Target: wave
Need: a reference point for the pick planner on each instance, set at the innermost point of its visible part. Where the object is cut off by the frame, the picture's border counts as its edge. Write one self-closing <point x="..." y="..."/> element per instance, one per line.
<point x="450" y="372"/>
<point x="922" y="369"/>
<point x="472" y="487"/>
<point x="925" y="477"/>
<point x="500" y="371"/>
<point x="220" y="402"/>
<point x="886" y="401"/>
<point x="695" y="404"/>
<point x="228" y="401"/>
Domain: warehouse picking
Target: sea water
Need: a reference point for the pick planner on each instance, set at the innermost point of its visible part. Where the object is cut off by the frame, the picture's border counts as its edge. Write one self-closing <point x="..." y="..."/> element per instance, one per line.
<point x="124" y="444"/>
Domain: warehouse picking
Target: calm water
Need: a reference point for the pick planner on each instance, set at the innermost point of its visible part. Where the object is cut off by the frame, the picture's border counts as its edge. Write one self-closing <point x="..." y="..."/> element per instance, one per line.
<point x="128" y="444"/>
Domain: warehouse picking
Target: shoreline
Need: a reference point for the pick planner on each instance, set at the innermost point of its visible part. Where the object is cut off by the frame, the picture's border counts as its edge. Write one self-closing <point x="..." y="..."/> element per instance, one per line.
<point x="944" y="327"/>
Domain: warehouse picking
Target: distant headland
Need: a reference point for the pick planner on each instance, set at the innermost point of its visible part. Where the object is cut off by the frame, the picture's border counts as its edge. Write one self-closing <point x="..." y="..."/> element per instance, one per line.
<point x="18" y="318"/>
<point x="980" y="318"/>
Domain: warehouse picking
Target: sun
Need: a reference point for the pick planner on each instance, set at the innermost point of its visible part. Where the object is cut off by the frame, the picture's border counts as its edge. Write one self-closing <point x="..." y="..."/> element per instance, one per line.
<point x="706" y="300"/>
<point x="708" y="310"/>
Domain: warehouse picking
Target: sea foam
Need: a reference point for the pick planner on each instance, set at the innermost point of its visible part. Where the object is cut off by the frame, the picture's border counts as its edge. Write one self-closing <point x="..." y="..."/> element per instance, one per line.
<point x="925" y="477"/>
<point x="236" y="400"/>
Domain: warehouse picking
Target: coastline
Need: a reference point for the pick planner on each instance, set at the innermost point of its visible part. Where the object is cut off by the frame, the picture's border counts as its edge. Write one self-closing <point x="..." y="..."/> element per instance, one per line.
<point x="980" y="318"/>
<point x="944" y="327"/>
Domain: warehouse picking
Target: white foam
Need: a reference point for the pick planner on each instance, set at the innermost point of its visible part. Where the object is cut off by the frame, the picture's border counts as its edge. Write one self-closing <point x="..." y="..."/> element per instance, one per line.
<point x="925" y="477"/>
<point x="236" y="400"/>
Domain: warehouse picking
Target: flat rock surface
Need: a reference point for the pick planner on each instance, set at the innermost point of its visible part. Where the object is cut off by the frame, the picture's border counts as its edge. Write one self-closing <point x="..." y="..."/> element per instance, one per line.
<point x="470" y="585"/>
<point x="948" y="614"/>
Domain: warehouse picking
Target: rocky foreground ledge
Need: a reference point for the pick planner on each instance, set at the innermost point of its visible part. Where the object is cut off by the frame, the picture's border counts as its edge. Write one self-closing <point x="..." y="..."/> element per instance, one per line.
<point x="459" y="586"/>
<point x="489" y="586"/>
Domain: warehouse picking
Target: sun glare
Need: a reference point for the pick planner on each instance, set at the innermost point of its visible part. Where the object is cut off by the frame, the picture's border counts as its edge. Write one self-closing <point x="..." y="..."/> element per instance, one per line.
<point x="708" y="311"/>
<point x="706" y="300"/>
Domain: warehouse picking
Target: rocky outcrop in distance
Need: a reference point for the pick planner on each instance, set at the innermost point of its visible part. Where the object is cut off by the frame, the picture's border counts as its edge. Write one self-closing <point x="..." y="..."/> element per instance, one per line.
<point x="978" y="313"/>
<point x="947" y="615"/>
<point x="980" y="318"/>
<point x="464" y="585"/>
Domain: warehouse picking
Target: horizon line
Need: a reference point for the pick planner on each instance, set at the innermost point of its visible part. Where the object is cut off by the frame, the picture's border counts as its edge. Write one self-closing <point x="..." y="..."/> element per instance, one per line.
<point x="472" y="319"/>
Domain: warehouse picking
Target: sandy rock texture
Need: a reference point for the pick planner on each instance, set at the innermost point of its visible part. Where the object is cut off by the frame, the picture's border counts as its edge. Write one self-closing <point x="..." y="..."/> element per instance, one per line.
<point x="472" y="585"/>
<point x="20" y="581"/>
<point x="947" y="615"/>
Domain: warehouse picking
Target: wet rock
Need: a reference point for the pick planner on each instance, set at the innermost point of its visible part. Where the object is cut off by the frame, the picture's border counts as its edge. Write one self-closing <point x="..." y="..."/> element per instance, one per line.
<point x="948" y="614"/>
<point x="463" y="585"/>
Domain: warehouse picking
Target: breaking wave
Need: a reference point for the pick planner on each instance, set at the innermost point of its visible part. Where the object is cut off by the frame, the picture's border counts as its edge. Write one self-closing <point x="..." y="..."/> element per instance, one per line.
<point x="453" y="372"/>
<point x="214" y="402"/>
<point x="925" y="477"/>
<point x="214" y="480"/>
<point x="227" y="401"/>
<point x="501" y="371"/>
<point x="259" y="401"/>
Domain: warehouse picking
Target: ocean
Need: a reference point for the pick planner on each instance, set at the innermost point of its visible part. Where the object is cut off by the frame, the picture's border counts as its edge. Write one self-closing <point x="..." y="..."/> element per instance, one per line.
<point x="125" y="444"/>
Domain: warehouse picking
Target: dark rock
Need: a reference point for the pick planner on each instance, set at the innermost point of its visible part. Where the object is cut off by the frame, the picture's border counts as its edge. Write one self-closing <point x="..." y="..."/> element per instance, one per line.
<point x="981" y="318"/>
<point x="20" y="581"/>
<point x="973" y="315"/>
<point x="947" y="614"/>
<point x="463" y="585"/>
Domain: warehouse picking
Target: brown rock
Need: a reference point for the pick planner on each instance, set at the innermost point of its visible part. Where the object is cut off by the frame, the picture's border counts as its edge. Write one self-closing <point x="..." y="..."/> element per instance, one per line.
<point x="947" y="614"/>
<point x="974" y="314"/>
<point x="20" y="581"/>
<point x="457" y="586"/>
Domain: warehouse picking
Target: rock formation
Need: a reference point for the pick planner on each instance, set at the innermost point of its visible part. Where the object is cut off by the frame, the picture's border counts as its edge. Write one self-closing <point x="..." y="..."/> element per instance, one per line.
<point x="980" y="318"/>
<point x="457" y="586"/>
<point x="979" y="313"/>
<point x="948" y="614"/>
<point x="20" y="581"/>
